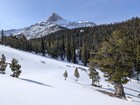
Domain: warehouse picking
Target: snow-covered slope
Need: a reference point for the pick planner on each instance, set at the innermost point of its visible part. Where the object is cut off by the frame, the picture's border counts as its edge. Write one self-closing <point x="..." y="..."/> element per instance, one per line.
<point x="53" y="24"/>
<point x="42" y="83"/>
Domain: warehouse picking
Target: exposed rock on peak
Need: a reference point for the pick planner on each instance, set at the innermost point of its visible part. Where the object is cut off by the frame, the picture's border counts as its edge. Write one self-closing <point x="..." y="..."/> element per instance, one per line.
<point x="54" y="17"/>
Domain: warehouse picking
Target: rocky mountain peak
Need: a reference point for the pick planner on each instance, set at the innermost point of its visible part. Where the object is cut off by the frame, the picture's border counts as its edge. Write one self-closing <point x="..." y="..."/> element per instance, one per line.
<point x="53" y="24"/>
<point x="54" y="17"/>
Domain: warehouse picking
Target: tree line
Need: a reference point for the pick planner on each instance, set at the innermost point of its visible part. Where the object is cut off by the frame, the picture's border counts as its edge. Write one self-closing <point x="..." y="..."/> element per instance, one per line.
<point x="75" y="44"/>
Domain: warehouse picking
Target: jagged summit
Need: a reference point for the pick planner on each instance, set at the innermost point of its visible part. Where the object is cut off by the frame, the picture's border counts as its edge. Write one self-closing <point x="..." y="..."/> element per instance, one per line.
<point x="54" y="17"/>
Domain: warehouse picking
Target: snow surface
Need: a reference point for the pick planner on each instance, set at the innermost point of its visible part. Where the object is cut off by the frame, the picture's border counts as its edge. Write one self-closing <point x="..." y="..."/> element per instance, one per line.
<point x="42" y="83"/>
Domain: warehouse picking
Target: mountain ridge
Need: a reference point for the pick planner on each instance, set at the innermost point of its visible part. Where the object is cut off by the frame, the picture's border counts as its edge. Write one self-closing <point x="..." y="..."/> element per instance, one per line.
<point x="52" y="24"/>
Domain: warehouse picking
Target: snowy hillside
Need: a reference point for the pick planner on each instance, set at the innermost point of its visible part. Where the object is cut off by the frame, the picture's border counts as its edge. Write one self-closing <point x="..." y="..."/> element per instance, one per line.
<point x="53" y="24"/>
<point x="42" y="83"/>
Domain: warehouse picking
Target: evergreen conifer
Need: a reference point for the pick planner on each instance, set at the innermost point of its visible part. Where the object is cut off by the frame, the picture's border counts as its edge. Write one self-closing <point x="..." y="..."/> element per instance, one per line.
<point x="94" y="75"/>
<point x="76" y="74"/>
<point x="65" y="74"/>
<point x="15" y="67"/>
<point x="115" y="59"/>
<point x="3" y="64"/>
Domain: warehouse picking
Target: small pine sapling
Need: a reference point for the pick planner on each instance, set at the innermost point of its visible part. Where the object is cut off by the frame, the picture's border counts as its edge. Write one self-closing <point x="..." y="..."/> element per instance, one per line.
<point x="3" y="64"/>
<point x="65" y="74"/>
<point x="76" y="74"/>
<point x="15" y="67"/>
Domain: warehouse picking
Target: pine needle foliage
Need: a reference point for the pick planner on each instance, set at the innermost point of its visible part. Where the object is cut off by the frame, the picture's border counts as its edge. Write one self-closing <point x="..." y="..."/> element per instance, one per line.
<point x="76" y="74"/>
<point x="15" y="68"/>
<point x="3" y="64"/>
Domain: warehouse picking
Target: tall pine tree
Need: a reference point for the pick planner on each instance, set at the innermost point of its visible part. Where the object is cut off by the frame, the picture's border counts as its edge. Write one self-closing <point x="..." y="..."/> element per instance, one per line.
<point x="42" y="46"/>
<point x="84" y="54"/>
<point x="115" y="59"/>
<point x="73" y="53"/>
<point x="2" y="35"/>
<point x="68" y="50"/>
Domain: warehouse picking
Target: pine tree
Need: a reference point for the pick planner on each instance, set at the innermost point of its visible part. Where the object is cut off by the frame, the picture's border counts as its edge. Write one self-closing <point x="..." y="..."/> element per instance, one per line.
<point x="94" y="75"/>
<point x="62" y="49"/>
<point x="115" y="59"/>
<point x="65" y="74"/>
<point x="76" y="74"/>
<point x="15" y="67"/>
<point x="42" y="46"/>
<point x="3" y="64"/>
<point x="68" y="51"/>
<point x="137" y="60"/>
<point x="2" y="35"/>
<point x="84" y="55"/>
<point x="137" y="69"/>
<point x="29" y="45"/>
<point x="73" y="53"/>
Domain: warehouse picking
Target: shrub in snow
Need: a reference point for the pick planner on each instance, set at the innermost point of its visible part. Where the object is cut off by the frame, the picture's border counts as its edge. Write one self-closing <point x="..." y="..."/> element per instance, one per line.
<point x="76" y="74"/>
<point x="3" y="64"/>
<point x="15" y="67"/>
<point x="65" y="74"/>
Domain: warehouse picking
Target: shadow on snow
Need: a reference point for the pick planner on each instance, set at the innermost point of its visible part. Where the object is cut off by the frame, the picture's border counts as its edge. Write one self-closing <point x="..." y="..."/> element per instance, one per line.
<point x="132" y="89"/>
<point x="35" y="82"/>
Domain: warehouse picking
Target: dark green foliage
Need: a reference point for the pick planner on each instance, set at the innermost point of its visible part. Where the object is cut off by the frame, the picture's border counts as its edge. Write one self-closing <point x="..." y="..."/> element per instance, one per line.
<point x="15" y="68"/>
<point x="65" y="74"/>
<point x="137" y="69"/>
<point x="28" y="45"/>
<point x="73" y="53"/>
<point x="19" y="41"/>
<point x="2" y="36"/>
<point x="53" y="49"/>
<point x="84" y="54"/>
<point x="3" y="64"/>
<point x="76" y="74"/>
<point x="137" y="56"/>
<point x="42" y="46"/>
<point x="36" y="46"/>
<point x="68" y="50"/>
<point x="94" y="75"/>
<point x="115" y="58"/>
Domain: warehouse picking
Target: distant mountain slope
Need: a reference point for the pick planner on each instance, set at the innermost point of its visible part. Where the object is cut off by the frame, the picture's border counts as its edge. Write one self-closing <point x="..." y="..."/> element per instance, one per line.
<point x="53" y="24"/>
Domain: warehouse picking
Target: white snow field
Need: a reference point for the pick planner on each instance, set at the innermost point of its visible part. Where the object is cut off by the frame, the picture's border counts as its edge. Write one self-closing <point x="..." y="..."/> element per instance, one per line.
<point x="42" y="83"/>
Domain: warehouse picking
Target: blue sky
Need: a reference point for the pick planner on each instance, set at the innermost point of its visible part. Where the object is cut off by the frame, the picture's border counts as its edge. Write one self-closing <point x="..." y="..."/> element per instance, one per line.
<point x="22" y="13"/>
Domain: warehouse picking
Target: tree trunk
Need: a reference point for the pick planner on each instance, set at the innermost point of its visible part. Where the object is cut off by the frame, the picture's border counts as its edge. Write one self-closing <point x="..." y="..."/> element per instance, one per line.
<point x="93" y="84"/>
<point x="119" y="90"/>
<point x="138" y="77"/>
